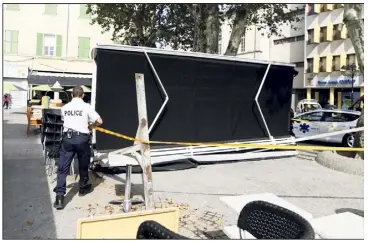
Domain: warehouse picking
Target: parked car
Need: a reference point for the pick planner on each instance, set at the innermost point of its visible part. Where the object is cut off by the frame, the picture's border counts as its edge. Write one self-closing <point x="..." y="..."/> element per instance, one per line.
<point x="326" y="121"/>
<point x="307" y="105"/>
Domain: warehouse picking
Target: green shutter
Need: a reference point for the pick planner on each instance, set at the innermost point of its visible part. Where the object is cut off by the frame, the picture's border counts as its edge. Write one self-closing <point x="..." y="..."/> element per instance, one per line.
<point x="86" y="48"/>
<point x="83" y="11"/>
<point x="39" y="44"/>
<point x="83" y="47"/>
<point x="59" y="45"/>
<point x="14" y="42"/>
<point x="51" y="9"/>
<point x="12" y="7"/>
<point x="80" y="47"/>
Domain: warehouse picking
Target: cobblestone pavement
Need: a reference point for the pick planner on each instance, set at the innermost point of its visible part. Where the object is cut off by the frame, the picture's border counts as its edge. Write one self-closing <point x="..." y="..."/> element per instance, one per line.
<point x="28" y="192"/>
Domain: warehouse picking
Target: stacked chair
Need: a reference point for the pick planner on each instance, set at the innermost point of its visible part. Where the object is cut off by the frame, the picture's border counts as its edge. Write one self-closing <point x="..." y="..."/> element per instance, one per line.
<point x="51" y="136"/>
<point x="261" y="219"/>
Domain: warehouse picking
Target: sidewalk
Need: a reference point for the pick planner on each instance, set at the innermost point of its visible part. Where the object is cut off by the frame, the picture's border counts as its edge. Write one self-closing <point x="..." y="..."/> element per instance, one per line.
<point x="28" y="197"/>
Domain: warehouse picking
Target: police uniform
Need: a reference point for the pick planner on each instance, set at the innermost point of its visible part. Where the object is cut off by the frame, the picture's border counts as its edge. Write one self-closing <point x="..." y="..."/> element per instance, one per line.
<point x="76" y="114"/>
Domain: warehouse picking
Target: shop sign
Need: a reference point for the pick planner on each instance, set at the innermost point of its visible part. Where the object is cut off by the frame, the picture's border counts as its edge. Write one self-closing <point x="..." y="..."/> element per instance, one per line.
<point x="336" y="82"/>
<point x="15" y="71"/>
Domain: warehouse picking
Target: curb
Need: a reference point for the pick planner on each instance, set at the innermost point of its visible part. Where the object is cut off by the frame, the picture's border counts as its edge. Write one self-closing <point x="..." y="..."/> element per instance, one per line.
<point x="340" y="163"/>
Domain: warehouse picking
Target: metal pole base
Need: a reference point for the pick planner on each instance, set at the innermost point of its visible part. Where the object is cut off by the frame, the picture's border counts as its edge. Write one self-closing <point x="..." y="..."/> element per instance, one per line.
<point x="127" y="205"/>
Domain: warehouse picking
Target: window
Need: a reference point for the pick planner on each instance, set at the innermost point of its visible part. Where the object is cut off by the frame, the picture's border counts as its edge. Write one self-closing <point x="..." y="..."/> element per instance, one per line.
<point x="299" y="64"/>
<point x="83" y="11"/>
<point x="12" y="7"/>
<point x="323" y="7"/>
<point x="339" y="117"/>
<point x="300" y="38"/>
<point x="289" y="40"/>
<point x="83" y="47"/>
<point x="242" y="44"/>
<point x="11" y="42"/>
<point x="310" y="36"/>
<point x="51" y="9"/>
<point x="350" y="59"/>
<point x="337" y="32"/>
<point x="309" y="65"/>
<point x="314" y="116"/>
<point x="323" y="36"/>
<point x="336" y="63"/>
<point x="322" y="64"/>
<point x="310" y="9"/>
<point x="49" y="45"/>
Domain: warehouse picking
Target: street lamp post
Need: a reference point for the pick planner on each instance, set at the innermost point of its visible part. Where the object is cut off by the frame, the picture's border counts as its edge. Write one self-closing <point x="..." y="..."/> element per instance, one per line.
<point x="353" y="73"/>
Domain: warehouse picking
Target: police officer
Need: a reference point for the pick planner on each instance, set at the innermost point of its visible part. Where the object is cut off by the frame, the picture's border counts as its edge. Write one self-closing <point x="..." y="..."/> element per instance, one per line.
<point x="76" y="133"/>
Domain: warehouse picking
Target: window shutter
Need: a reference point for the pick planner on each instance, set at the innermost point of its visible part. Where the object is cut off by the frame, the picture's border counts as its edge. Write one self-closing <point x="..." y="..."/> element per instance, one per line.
<point x="59" y="45"/>
<point x="14" y="42"/>
<point x="87" y="48"/>
<point x="51" y="9"/>
<point x="39" y="44"/>
<point x="80" y="47"/>
<point x="83" y="10"/>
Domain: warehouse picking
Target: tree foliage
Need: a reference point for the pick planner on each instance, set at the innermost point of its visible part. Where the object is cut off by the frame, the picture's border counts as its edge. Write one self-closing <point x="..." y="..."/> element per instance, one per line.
<point x="187" y="26"/>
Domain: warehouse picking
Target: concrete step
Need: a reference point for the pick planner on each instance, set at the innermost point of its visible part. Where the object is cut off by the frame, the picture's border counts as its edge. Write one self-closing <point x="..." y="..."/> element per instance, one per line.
<point x="307" y="155"/>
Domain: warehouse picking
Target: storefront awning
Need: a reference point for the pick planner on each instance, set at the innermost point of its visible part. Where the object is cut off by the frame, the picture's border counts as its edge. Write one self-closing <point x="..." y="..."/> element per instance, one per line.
<point x="65" y="79"/>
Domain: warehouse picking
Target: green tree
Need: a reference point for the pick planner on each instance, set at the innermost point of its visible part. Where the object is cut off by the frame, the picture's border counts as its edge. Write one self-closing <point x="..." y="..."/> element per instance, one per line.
<point x="267" y="17"/>
<point x="187" y="26"/>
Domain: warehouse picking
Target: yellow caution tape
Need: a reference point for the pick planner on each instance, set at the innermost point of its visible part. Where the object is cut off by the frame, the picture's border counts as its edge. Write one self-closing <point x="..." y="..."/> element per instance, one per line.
<point x="247" y="145"/>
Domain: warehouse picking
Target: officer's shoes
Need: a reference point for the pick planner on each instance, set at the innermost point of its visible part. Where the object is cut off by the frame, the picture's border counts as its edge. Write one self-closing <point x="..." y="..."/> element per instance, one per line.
<point x="85" y="190"/>
<point x="59" y="202"/>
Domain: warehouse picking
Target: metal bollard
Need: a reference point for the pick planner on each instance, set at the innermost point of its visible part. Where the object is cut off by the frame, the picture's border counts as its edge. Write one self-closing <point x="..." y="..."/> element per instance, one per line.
<point x="127" y="204"/>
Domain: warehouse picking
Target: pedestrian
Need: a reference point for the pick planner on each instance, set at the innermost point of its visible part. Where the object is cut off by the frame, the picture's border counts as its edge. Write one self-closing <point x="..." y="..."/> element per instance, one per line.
<point x="6" y="101"/>
<point x="76" y="133"/>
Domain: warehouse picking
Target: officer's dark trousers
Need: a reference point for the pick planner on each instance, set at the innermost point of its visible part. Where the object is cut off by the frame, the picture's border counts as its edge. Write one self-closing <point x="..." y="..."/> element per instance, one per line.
<point x="78" y="144"/>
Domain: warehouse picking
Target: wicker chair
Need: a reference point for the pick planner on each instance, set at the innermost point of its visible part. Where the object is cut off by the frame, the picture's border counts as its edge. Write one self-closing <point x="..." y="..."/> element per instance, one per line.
<point x="265" y="220"/>
<point x="153" y="230"/>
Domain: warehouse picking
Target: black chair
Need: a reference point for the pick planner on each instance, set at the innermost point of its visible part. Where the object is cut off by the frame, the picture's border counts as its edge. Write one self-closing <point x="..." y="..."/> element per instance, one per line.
<point x="265" y="220"/>
<point x="153" y="230"/>
<point x="51" y="137"/>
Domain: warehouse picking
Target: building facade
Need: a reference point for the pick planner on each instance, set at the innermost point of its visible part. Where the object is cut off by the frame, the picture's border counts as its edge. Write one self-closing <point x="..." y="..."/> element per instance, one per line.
<point x="49" y="38"/>
<point x="289" y="48"/>
<point x="328" y="50"/>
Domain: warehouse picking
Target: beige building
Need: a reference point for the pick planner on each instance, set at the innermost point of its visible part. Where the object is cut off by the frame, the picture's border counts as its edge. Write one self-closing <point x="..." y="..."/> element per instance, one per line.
<point x="52" y="41"/>
<point x="288" y="49"/>
<point x="328" y="49"/>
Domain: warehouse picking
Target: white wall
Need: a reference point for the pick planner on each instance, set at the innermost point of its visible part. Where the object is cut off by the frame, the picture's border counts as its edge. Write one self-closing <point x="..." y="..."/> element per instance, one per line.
<point x="30" y="20"/>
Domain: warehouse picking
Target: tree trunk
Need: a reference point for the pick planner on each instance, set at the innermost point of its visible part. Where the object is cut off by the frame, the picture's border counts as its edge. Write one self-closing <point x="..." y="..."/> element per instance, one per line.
<point x="354" y="24"/>
<point x="237" y="31"/>
<point x="359" y="136"/>
<point x="212" y="29"/>
<point x="199" y="39"/>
